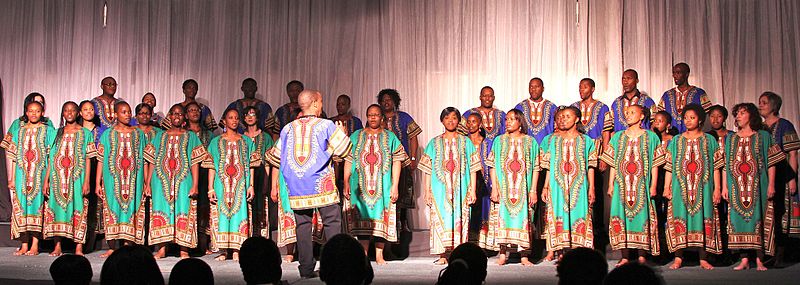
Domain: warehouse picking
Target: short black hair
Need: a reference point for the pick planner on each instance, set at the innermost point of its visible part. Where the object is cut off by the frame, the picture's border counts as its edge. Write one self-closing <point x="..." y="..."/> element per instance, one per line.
<point x="591" y="81"/>
<point x="635" y="73"/>
<point x="190" y="81"/>
<point x="633" y="273"/>
<point x="698" y="110"/>
<point x="366" y="113"/>
<point x="70" y="269"/>
<point x="523" y="124"/>
<point x="448" y="111"/>
<point x="191" y="271"/>
<point x="684" y="66"/>
<point x="297" y="82"/>
<point x="344" y="96"/>
<point x="249" y="79"/>
<point x="393" y="94"/>
<point x="247" y="110"/>
<point x="131" y="264"/>
<point x="118" y="105"/>
<point x="141" y="106"/>
<point x="538" y="79"/>
<point x="260" y="261"/>
<point x="663" y="113"/>
<point x="720" y="109"/>
<point x="582" y="266"/>
<point x="487" y="87"/>
<point x="343" y="261"/>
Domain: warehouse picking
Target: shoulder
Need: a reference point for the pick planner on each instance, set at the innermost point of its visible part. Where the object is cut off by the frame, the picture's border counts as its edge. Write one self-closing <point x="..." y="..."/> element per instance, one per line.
<point x="786" y="124"/>
<point x="215" y="140"/>
<point x="403" y="115"/>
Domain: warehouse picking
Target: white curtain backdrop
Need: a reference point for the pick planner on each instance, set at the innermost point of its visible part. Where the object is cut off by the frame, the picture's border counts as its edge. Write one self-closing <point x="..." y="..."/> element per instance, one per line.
<point x="436" y="53"/>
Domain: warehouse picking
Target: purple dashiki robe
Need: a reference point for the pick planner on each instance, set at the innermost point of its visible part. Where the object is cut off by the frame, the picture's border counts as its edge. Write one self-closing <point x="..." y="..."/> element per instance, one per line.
<point x="596" y="118"/>
<point x="673" y="101"/>
<point x="539" y="117"/>
<point x="619" y="105"/>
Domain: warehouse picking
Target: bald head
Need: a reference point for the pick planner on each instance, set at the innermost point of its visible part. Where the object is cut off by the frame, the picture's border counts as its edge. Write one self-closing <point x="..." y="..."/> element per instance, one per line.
<point x="310" y="102"/>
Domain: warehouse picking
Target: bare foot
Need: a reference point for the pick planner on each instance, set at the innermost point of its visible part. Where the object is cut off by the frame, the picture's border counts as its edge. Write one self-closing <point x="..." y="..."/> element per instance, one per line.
<point x="235" y="256"/>
<point x="501" y="259"/>
<point x="56" y="252"/>
<point x="676" y="264"/>
<point x="760" y="265"/>
<point x="705" y="265"/>
<point x="209" y="252"/>
<point x="184" y="254"/>
<point x="107" y="253"/>
<point x="288" y="258"/>
<point x="79" y="249"/>
<point x="21" y="251"/>
<point x="621" y="262"/>
<point x="221" y="257"/>
<point x="744" y="264"/>
<point x="441" y="261"/>
<point x="550" y="256"/>
<point x="32" y="252"/>
<point x="161" y="253"/>
<point x="642" y="260"/>
<point x="526" y="262"/>
<point x="380" y="260"/>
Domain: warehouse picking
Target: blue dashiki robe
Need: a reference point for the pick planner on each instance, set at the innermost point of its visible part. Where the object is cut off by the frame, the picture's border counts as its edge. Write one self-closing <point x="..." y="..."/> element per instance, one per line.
<point x="673" y="101"/>
<point x="618" y="108"/>
<point x="539" y="117"/>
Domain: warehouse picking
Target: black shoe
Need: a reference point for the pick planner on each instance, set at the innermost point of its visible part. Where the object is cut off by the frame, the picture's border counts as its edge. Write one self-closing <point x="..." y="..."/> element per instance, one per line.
<point x="311" y="275"/>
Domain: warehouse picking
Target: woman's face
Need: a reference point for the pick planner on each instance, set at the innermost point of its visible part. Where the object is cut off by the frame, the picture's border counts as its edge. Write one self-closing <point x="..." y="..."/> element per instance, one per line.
<point x="512" y="124"/>
<point x="250" y="118"/>
<point x="70" y="113"/>
<point x="742" y="118"/>
<point x="374" y="118"/>
<point x="231" y="120"/>
<point x="177" y="117"/>
<point x="716" y="119"/>
<point x="633" y="115"/>
<point x="34" y="113"/>
<point x="124" y="114"/>
<point x="691" y="121"/>
<point x="144" y="116"/>
<point x="87" y="111"/>
<point x="660" y="123"/>
<point x="764" y="108"/>
<point x="193" y="113"/>
<point x="473" y="124"/>
<point x="450" y="122"/>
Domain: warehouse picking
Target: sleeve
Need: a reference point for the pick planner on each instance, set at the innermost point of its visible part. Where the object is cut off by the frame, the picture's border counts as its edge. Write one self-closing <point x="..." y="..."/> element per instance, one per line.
<point x="150" y="153"/>
<point x="592" y="147"/>
<point x="774" y="153"/>
<point x="91" y="148"/>
<point x="425" y="164"/>
<point x="255" y="157"/>
<point x="462" y="126"/>
<point x="398" y="153"/>
<point x="535" y="158"/>
<point x="101" y="147"/>
<point x="608" y="121"/>
<point x="198" y="152"/>
<point x="413" y="128"/>
<point x="9" y="142"/>
<point x="208" y="162"/>
<point x="658" y="150"/>
<point x="490" y="159"/>
<point x="608" y="153"/>
<point x="208" y="119"/>
<point x="474" y="156"/>
<point x="353" y="142"/>
<point x="543" y="159"/>
<point x="273" y="155"/>
<point x="338" y="143"/>
<point x="662" y="105"/>
<point x="718" y="155"/>
<point x="790" y="139"/>
<point x="667" y="153"/>
<point x="705" y="102"/>
<point x="357" y="124"/>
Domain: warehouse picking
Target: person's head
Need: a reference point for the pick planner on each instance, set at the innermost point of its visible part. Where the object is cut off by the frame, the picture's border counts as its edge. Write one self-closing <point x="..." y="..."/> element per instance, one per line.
<point x="769" y="103"/>
<point x="143" y="113"/>
<point x="149" y="99"/>
<point x="70" y="269"/>
<point x="230" y="119"/>
<point x="632" y="273"/>
<point x="69" y="112"/>
<point x="629" y="80"/>
<point x="249" y="88"/>
<point x="515" y="122"/>
<point x="450" y="118"/>
<point x="310" y="102"/>
<point x="389" y="100"/>
<point x="87" y="113"/>
<point x="109" y="86"/>
<point x="293" y="89"/>
<point x="343" y="261"/>
<point x="662" y="122"/>
<point x="746" y="115"/>
<point x="34" y="111"/>
<point x="193" y="112"/>
<point x="717" y="115"/>
<point x="473" y="123"/>
<point x="536" y="88"/>
<point x="374" y="117"/>
<point x="634" y="114"/>
<point x="581" y="266"/>
<point x="190" y="88"/>
<point x="569" y="118"/>
<point x="191" y="271"/>
<point x="693" y="116"/>
<point x="586" y="88"/>
<point x="466" y="265"/>
<point x="130" y="265"/>
<point x="122" y="112"/>
<point x="343" y="104"/>
<point x="35" y="96"/>
<point x="260" y="261"/>
<point x="177" y="116"/>
<point x="251" y="115"/>
<point x="680" y="73"/>
<point x="487" y="97"/>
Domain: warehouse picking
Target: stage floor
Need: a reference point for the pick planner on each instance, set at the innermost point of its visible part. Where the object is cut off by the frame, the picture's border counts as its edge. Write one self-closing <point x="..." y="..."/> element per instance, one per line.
<point x="414" y="270"/>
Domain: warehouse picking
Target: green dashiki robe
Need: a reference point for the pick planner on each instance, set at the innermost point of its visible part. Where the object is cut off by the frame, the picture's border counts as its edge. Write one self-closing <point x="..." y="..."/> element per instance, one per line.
<point x="28" y="147"/>
<point x="122" y="155"/>
<point x="65" y="213"/>
<point x="452" y="164"/>
<point x="263" y="142"/>
<point x="151" y="133"/>
<point x="751" y="214"/>
<point x="569" y="214"/>
<point x="230" y="217"/>
<point x="370" y="211"/>
<point x="514" y="161"/>
<point x="632" y="220"/>
<point x="173" y="214"/>
<point x="692" y="217"/>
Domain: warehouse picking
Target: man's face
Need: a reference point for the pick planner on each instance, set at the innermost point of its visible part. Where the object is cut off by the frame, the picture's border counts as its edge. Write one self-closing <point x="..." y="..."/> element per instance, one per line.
<point x="487" y="97"/>
<point x="629" y="81"/>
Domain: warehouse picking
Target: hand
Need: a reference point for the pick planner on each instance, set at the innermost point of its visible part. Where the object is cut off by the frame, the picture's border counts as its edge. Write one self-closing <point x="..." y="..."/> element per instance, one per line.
<point x="667" y="194"/>
<point x="99" y="191"/>
<point x="591" y="195"/>
<point x="716" y="197"/>
<point x="85" y="189"/>
<point x="602" y="167"/>
<point x="471" y="197"/>
<point x="346" y="191"/>
<point x="610" y="192"/>
<point x="546" y="195"/>
<point x="653" y="191"/>
<point x="250" y="194"/>
<point x="147" y="191"/>
<point x="495" y="197"/>
<point x="429" y="199"/>
<point x="770" y="191"/>
<point x="212" y="196"/>
<point x="341" y="126"/>
<point x="793" y="187"/>
<point x="394" y="195"/>
<point x="532" y="199"/>
<point x="413" y="164"/>
<point x="725" y="194"/>
<point x="274" y="194"/>
<point x="193" y="192"/>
